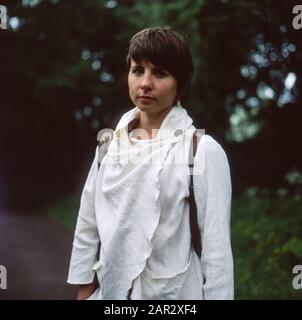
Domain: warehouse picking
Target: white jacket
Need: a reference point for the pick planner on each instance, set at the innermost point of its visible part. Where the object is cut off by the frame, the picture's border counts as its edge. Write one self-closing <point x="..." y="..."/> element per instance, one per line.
<point x="140" y="213"/>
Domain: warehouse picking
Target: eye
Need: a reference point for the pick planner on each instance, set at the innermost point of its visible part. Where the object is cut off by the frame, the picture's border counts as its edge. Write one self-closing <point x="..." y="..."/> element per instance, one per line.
<point x="160" y="73"/>
<point x="137" y="70"/>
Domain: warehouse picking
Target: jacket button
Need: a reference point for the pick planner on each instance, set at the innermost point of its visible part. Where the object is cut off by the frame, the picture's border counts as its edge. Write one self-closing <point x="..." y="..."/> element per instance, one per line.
<point x="178" y="132"/>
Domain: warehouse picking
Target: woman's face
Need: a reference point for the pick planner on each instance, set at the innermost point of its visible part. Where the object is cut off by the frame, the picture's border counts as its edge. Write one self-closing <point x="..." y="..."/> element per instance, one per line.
<point x="151" y="88"/>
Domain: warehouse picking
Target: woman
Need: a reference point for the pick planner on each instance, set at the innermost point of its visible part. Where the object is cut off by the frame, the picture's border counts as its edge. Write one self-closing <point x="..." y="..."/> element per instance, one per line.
<point x="133" y="238"/>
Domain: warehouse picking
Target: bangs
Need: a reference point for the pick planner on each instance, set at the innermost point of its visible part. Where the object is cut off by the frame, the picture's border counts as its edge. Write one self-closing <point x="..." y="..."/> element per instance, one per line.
<point x="154" y="48"/>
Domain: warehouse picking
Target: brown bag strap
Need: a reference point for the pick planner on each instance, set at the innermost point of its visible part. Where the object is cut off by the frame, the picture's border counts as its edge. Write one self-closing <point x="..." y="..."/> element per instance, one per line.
<point x="195" y="232"/>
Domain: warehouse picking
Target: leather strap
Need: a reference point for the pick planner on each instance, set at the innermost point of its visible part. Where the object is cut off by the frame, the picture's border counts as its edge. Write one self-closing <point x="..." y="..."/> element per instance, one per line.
<point x="195" y="232"/>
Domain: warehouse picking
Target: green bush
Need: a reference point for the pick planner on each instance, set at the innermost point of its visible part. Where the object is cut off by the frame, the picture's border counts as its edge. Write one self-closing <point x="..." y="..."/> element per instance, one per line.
<point x="266" y="240"/>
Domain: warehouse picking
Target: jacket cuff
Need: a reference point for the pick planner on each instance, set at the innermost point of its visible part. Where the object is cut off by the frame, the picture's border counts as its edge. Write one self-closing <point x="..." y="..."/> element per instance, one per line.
<point x="84" y="277"/>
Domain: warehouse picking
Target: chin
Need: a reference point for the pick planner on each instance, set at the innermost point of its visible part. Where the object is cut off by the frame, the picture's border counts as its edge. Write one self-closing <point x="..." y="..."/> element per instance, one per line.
<point x="144" y="107"/>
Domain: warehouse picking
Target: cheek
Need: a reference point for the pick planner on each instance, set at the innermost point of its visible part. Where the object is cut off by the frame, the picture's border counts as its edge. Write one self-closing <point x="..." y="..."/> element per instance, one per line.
<point x="169" y="90"/>
<point x="131" y="84"/>
<point x="129" y="81"/>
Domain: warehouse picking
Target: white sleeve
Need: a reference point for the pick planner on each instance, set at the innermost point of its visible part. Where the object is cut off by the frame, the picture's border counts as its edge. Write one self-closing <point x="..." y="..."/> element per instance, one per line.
<point x="86" y="238"/>
<point x="213" y="193"/>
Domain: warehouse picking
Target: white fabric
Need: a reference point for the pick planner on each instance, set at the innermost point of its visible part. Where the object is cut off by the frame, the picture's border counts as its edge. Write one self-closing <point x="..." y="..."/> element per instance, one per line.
<point x="136" y="204"/>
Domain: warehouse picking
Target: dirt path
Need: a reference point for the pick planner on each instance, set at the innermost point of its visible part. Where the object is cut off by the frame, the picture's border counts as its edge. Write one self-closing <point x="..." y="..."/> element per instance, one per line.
<point x="35" y="251"/>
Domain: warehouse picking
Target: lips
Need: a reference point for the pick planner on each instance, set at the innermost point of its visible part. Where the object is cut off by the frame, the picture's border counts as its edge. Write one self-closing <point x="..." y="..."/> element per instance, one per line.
<point x="146" y="97"/>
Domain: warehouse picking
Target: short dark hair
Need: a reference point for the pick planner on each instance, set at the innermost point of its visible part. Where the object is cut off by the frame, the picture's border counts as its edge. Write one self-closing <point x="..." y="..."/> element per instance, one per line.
<point x="167" y="49"/>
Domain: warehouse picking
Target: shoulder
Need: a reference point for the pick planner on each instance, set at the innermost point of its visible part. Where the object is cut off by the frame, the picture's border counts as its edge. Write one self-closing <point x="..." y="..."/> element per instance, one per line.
<point x="211" y="147"/>
<point x="210" y="157"/>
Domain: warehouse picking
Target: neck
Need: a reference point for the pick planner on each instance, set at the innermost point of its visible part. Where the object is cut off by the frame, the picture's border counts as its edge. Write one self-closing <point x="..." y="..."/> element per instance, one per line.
<point x="150" y="121"/>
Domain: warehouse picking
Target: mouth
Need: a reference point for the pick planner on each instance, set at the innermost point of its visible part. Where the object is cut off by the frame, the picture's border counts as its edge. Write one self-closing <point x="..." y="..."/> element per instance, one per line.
<point x="146" y="98"/>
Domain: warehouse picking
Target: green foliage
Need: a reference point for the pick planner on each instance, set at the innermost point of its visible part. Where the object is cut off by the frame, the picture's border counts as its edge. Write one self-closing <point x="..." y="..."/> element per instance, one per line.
<point x="266" y="237"/>
<point x="182" y="15"/>
<point x="64" y="211"/>
<point x="65" y="55"/>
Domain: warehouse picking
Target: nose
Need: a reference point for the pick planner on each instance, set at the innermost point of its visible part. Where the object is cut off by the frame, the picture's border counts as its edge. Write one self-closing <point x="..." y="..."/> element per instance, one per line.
<point x="146" y="83"/>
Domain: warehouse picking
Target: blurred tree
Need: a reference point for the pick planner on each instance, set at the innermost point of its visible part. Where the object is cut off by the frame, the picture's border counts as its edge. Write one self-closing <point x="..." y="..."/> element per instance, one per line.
<point x="57" y="87"/>
<point x="63" y="77"/>
<point x="250" y="87"/>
